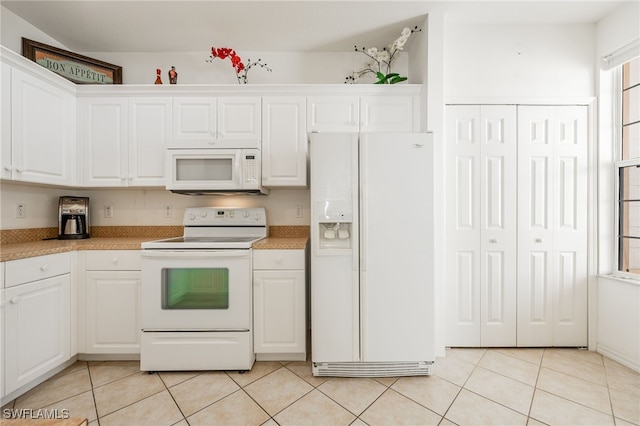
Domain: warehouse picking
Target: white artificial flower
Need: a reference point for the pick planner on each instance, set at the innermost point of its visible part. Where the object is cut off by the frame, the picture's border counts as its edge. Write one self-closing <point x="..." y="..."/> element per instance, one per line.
<point x="406" y="32"/>
<point x="400" y="42"/>
<point x="383" y="56"/>
<point x="372" y="51"/>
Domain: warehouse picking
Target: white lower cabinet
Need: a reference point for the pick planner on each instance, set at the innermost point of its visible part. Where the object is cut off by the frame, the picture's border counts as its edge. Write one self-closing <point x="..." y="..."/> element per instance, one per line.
<point x="112" y="299"/>
<point x="279" y="294"/>
<point x="37" y="319"/>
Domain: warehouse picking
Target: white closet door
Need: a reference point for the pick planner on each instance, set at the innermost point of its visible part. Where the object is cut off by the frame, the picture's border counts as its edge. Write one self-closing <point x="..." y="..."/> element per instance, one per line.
<point x="552" y="228"/>
<point x="481" y="225"/>
<point x="498" y="213"/>
<point x="463" y="225"/>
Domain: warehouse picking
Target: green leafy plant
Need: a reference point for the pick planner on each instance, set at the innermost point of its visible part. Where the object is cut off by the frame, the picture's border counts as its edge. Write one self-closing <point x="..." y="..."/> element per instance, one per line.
<point x="391" y="78"/>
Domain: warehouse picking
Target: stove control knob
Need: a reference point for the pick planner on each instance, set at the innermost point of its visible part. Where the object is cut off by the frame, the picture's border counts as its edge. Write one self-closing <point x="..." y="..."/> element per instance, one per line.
<point x="203" y="213"/>
<point x="192" y="216"/>
<point x="246" y="213"/>
<point x="257" y="216"/>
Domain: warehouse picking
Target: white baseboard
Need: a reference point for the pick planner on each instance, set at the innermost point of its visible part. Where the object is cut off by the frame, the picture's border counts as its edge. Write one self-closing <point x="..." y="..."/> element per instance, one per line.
<point x="633" y="364"/>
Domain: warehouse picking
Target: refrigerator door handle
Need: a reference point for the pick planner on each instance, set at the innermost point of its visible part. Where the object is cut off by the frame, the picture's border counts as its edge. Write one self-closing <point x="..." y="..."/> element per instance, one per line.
<point x="363" y="227"/>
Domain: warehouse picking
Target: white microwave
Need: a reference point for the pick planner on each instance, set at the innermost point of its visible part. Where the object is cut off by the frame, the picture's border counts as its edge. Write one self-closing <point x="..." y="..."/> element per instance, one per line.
<point x="214" y="171"/>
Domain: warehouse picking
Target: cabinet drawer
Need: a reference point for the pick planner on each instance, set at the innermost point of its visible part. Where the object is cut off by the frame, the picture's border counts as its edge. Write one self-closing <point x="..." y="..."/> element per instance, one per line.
<point x="112" y="260"/>
<point x="36" y="268"/>
<point x="278" y="259"/>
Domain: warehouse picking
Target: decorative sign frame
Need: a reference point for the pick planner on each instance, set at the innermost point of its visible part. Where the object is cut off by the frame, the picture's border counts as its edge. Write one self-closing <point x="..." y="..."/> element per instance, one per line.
<point x="72" y="66"/>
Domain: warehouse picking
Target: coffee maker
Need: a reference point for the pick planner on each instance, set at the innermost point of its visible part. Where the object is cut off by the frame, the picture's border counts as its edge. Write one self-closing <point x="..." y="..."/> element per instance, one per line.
<point x="73" y="218"/>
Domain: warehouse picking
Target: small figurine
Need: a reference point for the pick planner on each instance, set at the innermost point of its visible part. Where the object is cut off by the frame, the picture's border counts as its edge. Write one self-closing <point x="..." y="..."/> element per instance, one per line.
<point x="158" y="79"/>
<point x="173" y="75"/>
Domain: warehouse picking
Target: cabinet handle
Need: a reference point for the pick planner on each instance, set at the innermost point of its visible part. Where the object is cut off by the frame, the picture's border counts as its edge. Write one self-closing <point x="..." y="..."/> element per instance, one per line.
<point x="8" y="168"/>
<point x="19" y="169"/>
<point x="114" y="260"/>
<point x="493" y="240"/>
<point x="43" y="268"/>
<point x="538" y="240"/>
<point x="16" y="300"/>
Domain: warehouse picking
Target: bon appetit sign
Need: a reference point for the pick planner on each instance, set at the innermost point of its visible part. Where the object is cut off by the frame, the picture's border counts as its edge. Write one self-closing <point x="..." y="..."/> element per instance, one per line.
<point x="72" y="66"/>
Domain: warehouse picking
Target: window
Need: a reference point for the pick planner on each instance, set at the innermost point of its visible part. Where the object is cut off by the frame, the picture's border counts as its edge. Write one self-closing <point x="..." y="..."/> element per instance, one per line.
<point x="628" y="171"/>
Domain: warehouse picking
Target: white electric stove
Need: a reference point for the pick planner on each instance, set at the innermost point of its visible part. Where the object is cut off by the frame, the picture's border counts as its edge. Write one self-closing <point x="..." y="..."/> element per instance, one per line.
<point x="197" y="292"/>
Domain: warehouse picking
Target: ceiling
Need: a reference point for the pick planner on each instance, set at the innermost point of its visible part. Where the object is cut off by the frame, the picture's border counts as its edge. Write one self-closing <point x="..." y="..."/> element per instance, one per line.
<point x="288" y="26"/>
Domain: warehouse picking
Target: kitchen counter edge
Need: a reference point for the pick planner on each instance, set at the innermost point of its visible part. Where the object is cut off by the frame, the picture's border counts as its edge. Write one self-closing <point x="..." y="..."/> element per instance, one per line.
<point x="16" y="251"/>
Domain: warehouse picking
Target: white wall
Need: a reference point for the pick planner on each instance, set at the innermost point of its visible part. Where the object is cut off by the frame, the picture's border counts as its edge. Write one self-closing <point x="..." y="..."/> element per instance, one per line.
<point x="287" y="67"/>
<point x="140" y="67"/>
<point x="516" y="61"/>
<point x="619" y="321"/>
<point x="13" y="28"/>
<point x="618" y="301"/>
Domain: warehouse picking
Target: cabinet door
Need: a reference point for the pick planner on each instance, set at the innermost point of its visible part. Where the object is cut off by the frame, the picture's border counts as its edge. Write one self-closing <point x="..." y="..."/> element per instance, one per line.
<point x="284" y="141"/>
<point x="552" y="225"/>
<point x="5" y="123"/>
<point x="37" y="329"/>
<point x="239" y="118"/>
<point x="389" y="114"/>
<point x="105" y="140"/>
<point x="333" y="114"/>
<point x="194" y="122"/>
<point x="149" y="131"/>
<point x="112" y="312"/>
<point x="3" y="344"/>
<point x="481" y="158"/>
<point x="42" y="131"/>
<point x="279" y="311"/>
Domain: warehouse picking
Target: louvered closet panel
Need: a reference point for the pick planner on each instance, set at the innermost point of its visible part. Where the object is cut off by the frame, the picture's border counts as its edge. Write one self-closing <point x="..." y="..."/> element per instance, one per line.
<point x="481" y="226"/>
<point x="552" y="229"/>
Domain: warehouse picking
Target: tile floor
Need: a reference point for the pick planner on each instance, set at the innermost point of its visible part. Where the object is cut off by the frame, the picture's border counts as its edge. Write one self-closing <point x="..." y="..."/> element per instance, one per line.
<point x="468" y="387"/>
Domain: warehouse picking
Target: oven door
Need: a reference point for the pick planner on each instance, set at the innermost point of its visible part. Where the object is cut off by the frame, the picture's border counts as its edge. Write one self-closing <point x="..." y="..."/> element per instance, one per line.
<point x="196" y="290"/>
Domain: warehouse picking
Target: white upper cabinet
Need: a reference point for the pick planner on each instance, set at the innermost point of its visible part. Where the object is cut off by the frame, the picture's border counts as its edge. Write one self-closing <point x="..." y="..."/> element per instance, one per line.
<point x="389" y="114"/>
<point x="124" y="140"/>
<point x="199" y="122"/>
<point x="103" y="134"/>
<point x="284" y="141"/>
<point x="149" y="132"/>
<point x="333" y="114"/>
<point x="353" y="114"/>
<point x="40" y="147"/>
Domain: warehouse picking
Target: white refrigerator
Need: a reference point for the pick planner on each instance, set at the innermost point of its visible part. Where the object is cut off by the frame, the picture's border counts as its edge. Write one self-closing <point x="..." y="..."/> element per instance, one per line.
<point x="372" y="292"/>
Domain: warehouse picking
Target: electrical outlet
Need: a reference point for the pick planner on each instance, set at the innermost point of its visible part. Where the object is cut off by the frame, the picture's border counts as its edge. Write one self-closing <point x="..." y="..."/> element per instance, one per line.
<point x="108" y="212"/>
<point x="299" y="211"/>
<point x="21" y="210"/>
<point x="168" y="212"/>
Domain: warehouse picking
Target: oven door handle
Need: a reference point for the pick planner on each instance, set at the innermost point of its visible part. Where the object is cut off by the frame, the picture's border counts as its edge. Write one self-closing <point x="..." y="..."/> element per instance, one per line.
<point x="196" y="254"/>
